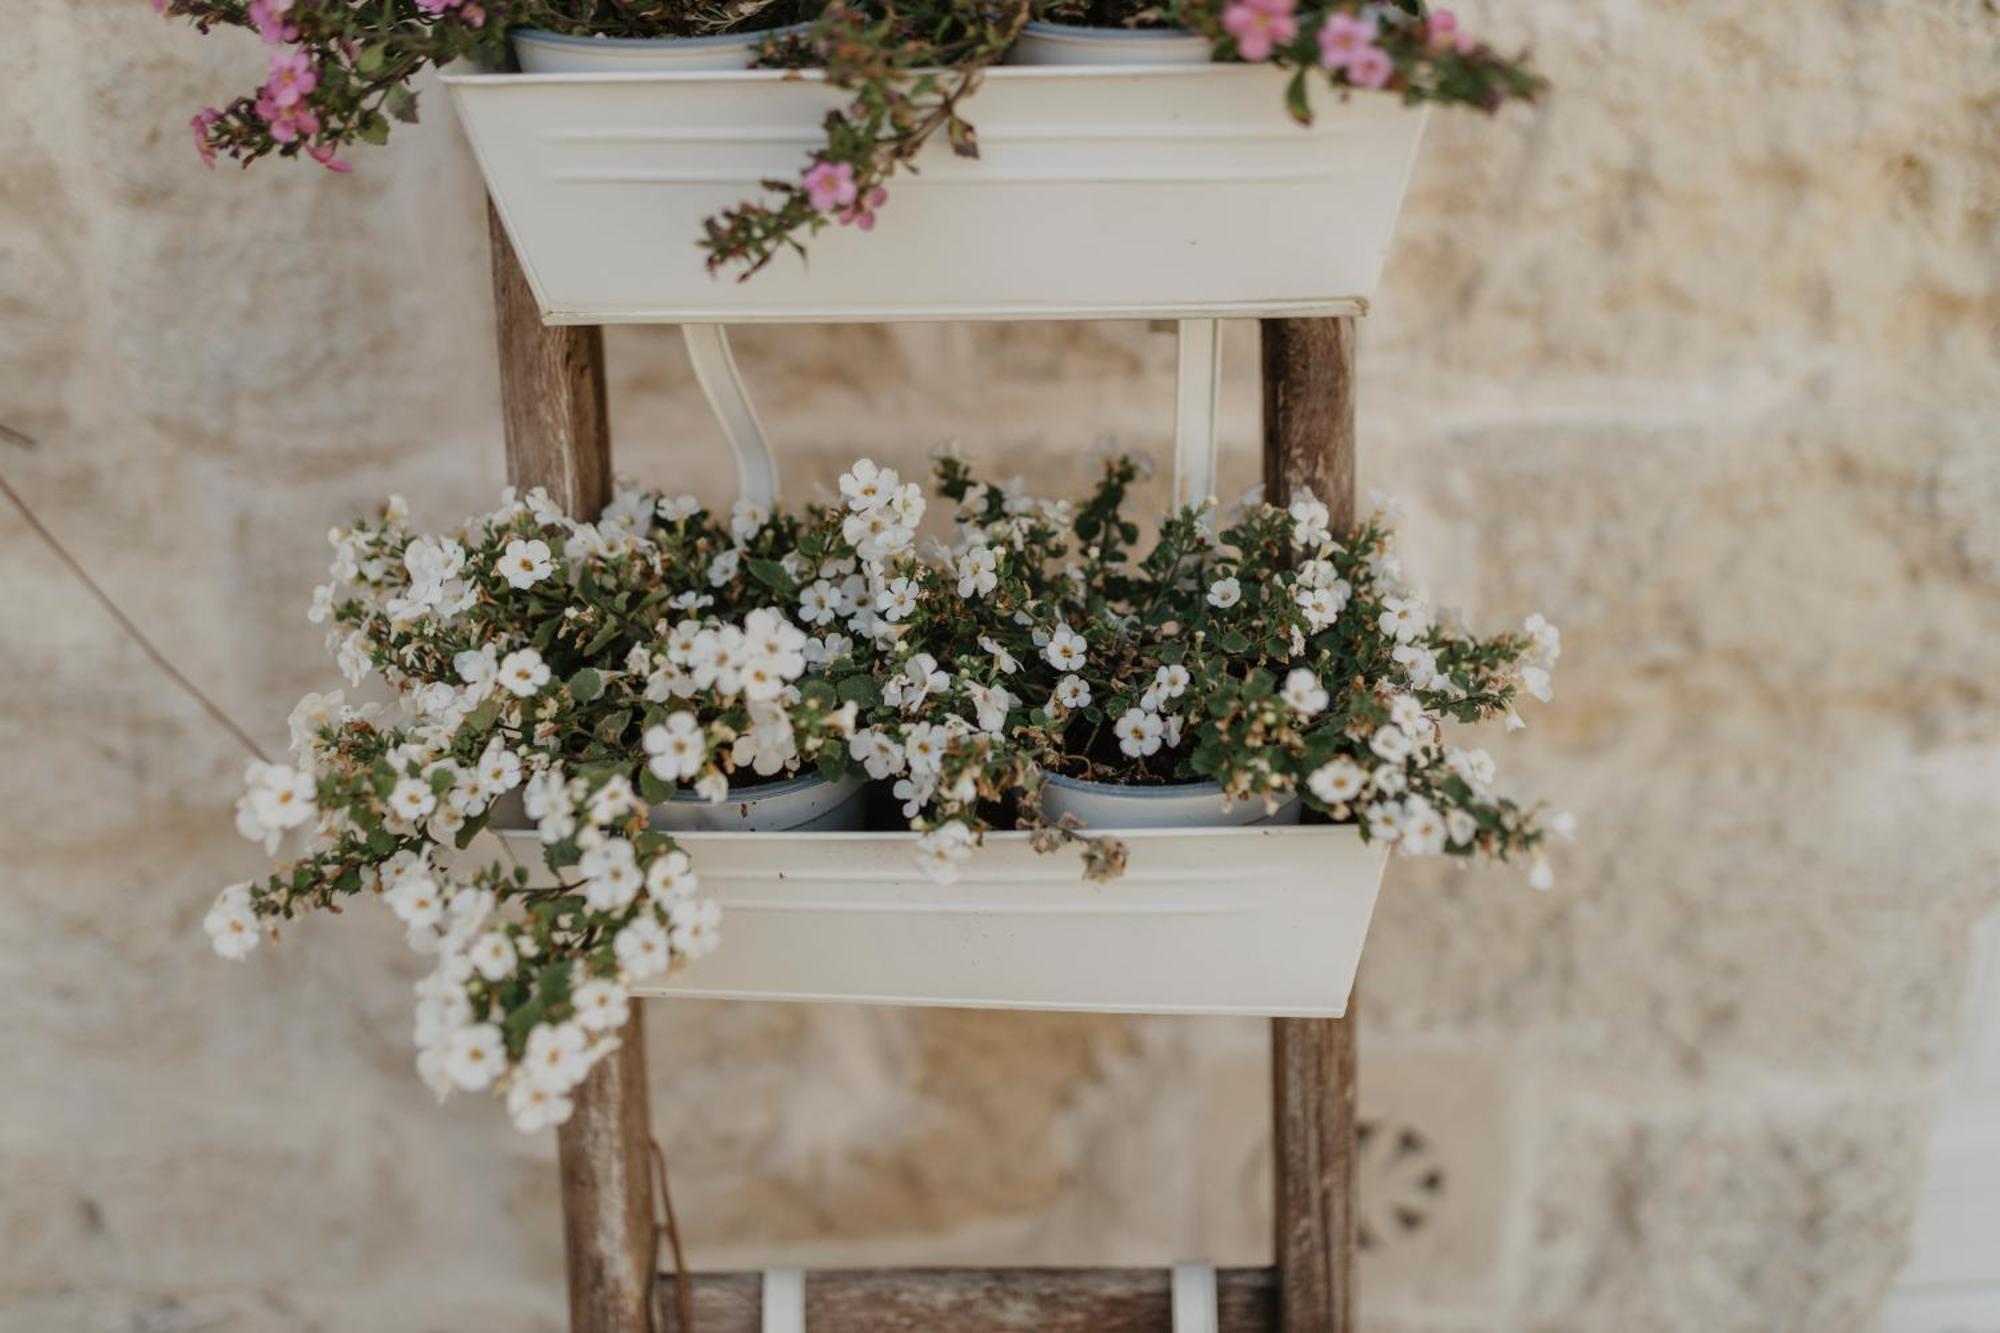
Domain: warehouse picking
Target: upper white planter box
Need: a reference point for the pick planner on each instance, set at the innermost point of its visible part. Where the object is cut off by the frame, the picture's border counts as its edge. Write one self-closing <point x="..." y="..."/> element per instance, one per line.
<point x="1141" y="191"/>
<point x="1266" y="921"/>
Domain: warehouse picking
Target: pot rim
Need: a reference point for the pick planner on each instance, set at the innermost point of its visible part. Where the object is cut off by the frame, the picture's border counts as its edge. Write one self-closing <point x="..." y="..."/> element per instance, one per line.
<point x="1157" y="791"/>
<point x="714" y="39"/>
<point x="762" y="790"/>
<point x="1043" y="28"/>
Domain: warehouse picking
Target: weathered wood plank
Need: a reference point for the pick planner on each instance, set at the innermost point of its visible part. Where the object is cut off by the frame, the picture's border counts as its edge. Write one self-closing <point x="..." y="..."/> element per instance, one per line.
<point x="1309" y="412"/>
<point x="977" y="1300"/>
<point x="552" y="394"/>
<point x="552" y="399"/>
<point x="1309" y="445"/>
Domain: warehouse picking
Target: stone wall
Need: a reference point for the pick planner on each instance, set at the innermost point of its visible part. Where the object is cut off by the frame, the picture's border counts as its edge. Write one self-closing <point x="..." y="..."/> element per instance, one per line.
<point x="1700" y="359"/>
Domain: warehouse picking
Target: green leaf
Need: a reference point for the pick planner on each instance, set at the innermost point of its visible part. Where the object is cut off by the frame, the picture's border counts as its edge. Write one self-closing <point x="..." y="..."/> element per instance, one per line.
<point x="654" y="788"/>
<point x="370" y="59"/>
<point x="586" y="685"/>
<point x="770" y="573"/>
<point x="859" y="689"/>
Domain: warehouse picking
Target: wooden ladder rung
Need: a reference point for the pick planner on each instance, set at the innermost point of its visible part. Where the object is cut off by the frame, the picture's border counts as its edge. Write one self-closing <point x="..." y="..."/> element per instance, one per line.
<point x="976" y="1300"/>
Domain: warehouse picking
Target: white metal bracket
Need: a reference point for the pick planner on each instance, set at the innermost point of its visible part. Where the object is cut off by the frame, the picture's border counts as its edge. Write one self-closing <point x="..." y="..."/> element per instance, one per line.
<point x="722" y="384"/>
<point x="784" y="1300"/>
<point x="1195" y="1306"/>
<point x="1197" y="397"/>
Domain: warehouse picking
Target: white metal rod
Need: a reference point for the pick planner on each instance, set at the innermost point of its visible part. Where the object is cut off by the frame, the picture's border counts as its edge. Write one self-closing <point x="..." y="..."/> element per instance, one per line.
<point x="1195" y="1306"/>
<point x="784" y="1300"/>
<point x="1197" y="396"/>
<point x="721" y="383"/>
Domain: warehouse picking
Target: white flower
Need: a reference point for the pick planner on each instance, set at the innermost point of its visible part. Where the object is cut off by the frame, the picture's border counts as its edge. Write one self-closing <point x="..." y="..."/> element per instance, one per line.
<point x="1408" y="714"/>
<point x="1224" y="593"/>
<point x="819" y="602"/>
<point x="642" y="947"/>
<point x="601" y="1006"/>
<point x="499" y="769"/>
<point x="1073" y="692"/>
<point x="1337" y="781"/>
<point x="670" y="878"/>
<point x="352" y="659"/>
<point x="276" y="797"/>
<point x="940" y="851"/>
<point x="1066" y="650"/>
<point x="479" y="669"/>
<point x="876" y="751"/>
<point x="534" y="1107"/>
<point x="1476" y="767"/>
<point x="522" y="672"/>
<point x="474" y="1056"/>
<point x="867" y="486"/>
<point x="525" y="563"/>
<point x="1536" y="681"/>
<point x="231" y="923"/>
<point x="1303" y="693"/>
<point x="1002" y="659"/>
<point x="321" y="606"/>
<point x="897" y="600"/>
<point x="919" y="678"/>
<point x="769" y="744"/>
<point x="612" y="801"/>
<point x="697" y="927"/>
<point x="1138" y="732"/>
<point x="431" y="563"/>
<point x="978" y="571"/>
<point x="1320" y="605"/>
<point x="611" y="878"/>
<point x="992" y="703"/>
<point x="1419" y="664"/>
<point x="1539" y="874"/>
<point x="412" y="799"/>
<point x="1309" y="522"/>
<point x="677" y="748"/>
<point x="1404" y="617"/>
<point x="1392" y="743"/>
<point x="746" y="517"/>
<point x="493" y="954"/>
<point x="1171" y="680"/>
<point x="557" y="1056"/>
<point x="1563" y="825"/>
<point x="313" y="714"/>
<point x="712" y="787"/>
<point x="1548" y="640"/>
<point x="1461" y="828"/>
<point x="415" y="900"/>
<point x="1385" y="821"/>
<point x="679" y="508"/>
<point x="724" y="567"/>
<point x="1423" y="828"/>
<point x="1388" y="780"/>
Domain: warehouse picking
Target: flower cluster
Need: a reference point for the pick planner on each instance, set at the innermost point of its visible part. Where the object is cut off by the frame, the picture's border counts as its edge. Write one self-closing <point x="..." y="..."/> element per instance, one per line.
<point x="340" y="73"/>
<point x="579" y="684"/>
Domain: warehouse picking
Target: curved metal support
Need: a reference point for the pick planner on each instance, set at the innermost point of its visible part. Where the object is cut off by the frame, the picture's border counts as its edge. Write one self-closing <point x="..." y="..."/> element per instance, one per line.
<point x="1197" y="395"/>
<point x="721" y="383"/>
<point x="1195" y="1306"/>
<point x="784" y="1301"/>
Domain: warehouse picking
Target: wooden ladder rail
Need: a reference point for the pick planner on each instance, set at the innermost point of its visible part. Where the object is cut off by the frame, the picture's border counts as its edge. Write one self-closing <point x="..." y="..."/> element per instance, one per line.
<point x="553" y="398"/>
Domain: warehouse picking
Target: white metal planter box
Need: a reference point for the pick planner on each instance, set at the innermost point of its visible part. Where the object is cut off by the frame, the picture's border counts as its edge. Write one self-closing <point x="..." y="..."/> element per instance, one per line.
<point x="1265" y="921"/>
<point x="1155" y="191"/>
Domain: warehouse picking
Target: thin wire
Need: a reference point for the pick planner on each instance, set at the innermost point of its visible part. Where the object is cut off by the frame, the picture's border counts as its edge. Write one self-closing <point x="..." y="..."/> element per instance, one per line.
<point x="683" y="1289"/>
<point x="132" y="631"/>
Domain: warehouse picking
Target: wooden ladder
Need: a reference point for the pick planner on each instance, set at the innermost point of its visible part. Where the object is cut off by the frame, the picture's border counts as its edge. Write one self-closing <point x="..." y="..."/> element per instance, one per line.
<point x="552" y="390"/>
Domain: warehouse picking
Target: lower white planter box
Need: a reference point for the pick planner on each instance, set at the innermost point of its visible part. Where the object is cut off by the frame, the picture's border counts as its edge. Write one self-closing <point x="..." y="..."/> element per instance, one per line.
<point x="1155" y="191"/>
<point x="1262" y="921"/>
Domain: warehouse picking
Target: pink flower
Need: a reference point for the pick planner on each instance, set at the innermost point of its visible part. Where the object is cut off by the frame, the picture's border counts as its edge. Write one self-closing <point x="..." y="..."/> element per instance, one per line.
<point x="288" y="123"/>
<point x="435" y="7"/>
<point x="292" y="78"/>
<point x="200" y="125"/>
<point x="323" y="154"/>
<point x="1259" y="25"/>
<point x="862" y="213"/>
<point x="1445" y="31"/>
<point x="269" y="16"/>
<point x="830" y="185"/>
<point x="1343" y="38"/>
<point x="1370" y="68"/>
